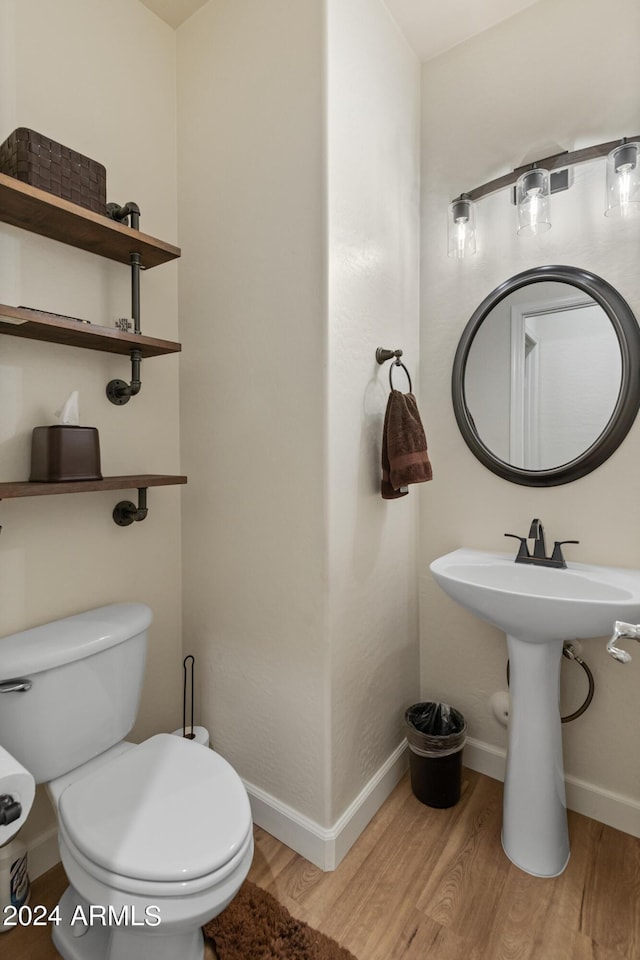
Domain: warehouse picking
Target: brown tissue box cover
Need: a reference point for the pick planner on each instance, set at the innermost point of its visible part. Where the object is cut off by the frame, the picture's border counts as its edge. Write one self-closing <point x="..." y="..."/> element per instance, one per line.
<point x="65" y="452"/>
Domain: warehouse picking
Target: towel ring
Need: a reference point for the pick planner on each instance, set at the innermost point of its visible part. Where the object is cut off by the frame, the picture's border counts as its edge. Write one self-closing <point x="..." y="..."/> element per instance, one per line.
<point x="399" y="363"/>
<point x="383" y="355"/>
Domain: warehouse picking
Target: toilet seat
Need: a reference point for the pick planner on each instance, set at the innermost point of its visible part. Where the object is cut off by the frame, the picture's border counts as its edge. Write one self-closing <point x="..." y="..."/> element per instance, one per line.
<point x="167" y="815"/>
<point x="149" y="889"/>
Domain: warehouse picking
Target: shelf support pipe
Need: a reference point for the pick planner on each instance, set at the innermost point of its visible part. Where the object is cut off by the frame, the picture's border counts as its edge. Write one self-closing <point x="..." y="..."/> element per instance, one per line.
<point x="135" y="290"/>
<point x="118" y="391"/>
<point x="130" y="209"/>
<point x="126" y="512"/>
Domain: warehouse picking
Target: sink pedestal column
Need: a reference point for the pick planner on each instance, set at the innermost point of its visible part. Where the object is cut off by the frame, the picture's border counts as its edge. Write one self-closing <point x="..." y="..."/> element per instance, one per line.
<point x="534" y="830"/>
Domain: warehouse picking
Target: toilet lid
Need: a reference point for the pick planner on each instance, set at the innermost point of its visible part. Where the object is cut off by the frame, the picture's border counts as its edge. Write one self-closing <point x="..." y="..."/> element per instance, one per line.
<point x="168" y="809"/>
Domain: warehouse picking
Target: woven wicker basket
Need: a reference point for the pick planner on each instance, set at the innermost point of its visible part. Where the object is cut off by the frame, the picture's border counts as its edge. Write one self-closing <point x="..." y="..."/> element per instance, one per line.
<point x="41" y="162"/>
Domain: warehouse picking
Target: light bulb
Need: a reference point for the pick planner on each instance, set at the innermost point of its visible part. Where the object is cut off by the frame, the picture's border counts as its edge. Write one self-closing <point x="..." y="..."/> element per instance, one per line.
<point x="623" y="181"/>
<point x="462" y="228"/>
<point x="532" y="197"/>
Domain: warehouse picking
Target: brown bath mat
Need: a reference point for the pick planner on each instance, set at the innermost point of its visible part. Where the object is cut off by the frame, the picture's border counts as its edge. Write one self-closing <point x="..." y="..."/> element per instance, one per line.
<point x="256" y="927"/>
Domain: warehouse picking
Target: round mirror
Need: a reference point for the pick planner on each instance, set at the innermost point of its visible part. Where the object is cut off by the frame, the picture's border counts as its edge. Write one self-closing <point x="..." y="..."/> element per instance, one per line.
<point x="546" y="378"/>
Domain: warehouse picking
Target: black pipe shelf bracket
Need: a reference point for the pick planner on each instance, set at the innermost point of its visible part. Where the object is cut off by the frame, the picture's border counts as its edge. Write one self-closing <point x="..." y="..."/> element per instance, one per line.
<point x="126" y="512"/>
<point x="120" y="392"/>
<point x="131" y="209"/>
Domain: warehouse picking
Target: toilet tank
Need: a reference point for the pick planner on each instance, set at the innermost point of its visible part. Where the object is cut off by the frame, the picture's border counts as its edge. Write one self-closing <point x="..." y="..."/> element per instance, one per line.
<point x="86" y="676"/>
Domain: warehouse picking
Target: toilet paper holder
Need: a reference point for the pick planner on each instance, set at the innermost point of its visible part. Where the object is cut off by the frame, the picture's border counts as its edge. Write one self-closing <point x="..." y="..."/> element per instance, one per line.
<point x="10" y="809"/>
<point x="189" y="681"/>
<point x="17" y="791"/>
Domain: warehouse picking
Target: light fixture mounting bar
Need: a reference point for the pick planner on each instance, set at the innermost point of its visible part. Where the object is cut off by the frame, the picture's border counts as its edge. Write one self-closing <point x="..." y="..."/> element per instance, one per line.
<point x="557" y="161"/>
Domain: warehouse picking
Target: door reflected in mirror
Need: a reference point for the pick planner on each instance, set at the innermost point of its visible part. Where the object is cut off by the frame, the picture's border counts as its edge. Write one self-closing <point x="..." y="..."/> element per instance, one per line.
<point x="543" y="376"/>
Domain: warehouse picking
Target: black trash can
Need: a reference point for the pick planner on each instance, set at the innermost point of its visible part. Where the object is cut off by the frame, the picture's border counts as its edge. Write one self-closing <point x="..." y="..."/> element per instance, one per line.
<point x="436" y="734"/>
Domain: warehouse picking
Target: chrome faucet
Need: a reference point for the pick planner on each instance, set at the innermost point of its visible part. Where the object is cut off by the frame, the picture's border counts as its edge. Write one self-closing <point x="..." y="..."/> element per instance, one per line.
<point x="539" y="555"/>
<point x="627" y="630"/>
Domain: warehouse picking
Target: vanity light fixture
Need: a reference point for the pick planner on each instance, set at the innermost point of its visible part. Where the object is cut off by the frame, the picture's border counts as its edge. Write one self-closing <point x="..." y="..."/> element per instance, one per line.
<point x="533" y="183"/>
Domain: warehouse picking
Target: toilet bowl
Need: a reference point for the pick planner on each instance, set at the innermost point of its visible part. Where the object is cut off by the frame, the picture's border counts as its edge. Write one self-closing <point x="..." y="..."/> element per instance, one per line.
<point x="156" y="838"/>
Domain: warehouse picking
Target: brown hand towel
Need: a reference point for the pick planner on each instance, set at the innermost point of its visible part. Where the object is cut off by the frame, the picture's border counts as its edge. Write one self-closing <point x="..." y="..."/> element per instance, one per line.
<point x="404" y="447"/>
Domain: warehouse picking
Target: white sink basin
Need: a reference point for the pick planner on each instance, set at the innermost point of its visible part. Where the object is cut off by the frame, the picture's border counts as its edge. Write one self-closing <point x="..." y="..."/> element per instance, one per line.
<point x="538" y="608"/>
<point x="537" y="603"/>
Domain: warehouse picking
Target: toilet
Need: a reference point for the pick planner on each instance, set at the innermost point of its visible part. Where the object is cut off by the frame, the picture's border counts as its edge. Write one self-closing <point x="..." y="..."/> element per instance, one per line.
<point x="156" y="838"/>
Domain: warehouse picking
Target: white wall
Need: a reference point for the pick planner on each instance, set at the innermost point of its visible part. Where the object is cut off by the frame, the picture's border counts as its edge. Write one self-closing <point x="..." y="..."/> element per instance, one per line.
<point x="298" y="175"/>
<point x="253" y="376"/>
<point x="373" y="167"/>
<point x="68" y="71"/>
<point x="522" y="90"/>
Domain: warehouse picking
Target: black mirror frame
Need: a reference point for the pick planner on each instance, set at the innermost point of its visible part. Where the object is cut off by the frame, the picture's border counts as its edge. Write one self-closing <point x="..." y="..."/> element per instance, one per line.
<point x="628" y="333"/>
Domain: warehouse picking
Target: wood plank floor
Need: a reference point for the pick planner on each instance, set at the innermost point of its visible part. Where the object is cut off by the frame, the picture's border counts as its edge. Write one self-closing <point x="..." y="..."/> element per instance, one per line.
<point x="424" y="883"/>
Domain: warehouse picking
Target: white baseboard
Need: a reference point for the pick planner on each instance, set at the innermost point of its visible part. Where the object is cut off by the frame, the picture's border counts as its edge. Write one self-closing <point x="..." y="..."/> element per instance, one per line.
<point x="365" y="806"/>
<point x="614" y="809"/>
<point x="484" y="758"/>
<point x="326" y="846"/>
<point x="43" y="852"/>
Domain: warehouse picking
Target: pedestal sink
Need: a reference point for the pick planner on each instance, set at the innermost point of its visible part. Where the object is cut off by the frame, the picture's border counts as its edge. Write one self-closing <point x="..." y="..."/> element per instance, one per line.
<point x="538" y="609"/>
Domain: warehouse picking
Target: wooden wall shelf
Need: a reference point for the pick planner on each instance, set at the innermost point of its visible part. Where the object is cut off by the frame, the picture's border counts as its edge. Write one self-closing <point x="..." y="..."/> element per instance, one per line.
<point x="40" y="325"/>
<point x="37" y="211"/>
<point x="24" y="488"/>
<point x="40" y="212"/>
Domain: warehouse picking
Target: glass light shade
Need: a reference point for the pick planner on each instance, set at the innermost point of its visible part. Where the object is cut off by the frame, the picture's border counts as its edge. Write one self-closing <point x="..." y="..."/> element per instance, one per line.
<point x="462" y="228"/>
<point x="623" y="181"/>
<point x="532" y="199"/>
